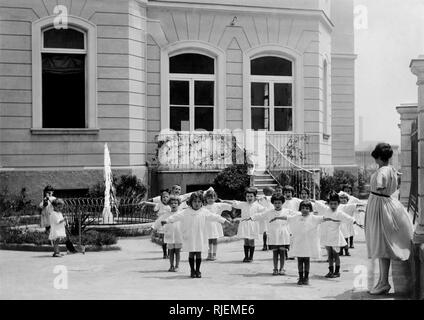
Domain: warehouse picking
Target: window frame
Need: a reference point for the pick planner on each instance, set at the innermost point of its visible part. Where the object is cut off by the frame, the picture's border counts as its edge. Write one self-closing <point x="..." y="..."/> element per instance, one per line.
<point x="90" y="51"/>
<point x="287" y="53"/>
<point x="271" y="81"/>
<point x="192" y="78"/>
<point x="198" y="47"/>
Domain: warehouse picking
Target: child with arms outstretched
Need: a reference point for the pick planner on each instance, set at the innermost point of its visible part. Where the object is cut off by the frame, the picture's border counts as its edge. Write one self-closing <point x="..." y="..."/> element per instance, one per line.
<point x="333" y="238"/>
<point x="214" y="229"/>
<point x="193" y="227"/>
<point x="278" y="232"/>
<point x="173" y="236"/>
<point x="248" y="229"/>
<point x="305" y="238"/>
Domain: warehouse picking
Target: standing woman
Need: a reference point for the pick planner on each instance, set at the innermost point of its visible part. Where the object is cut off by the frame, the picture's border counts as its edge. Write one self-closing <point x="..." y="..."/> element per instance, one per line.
<point x="388" y="228"/>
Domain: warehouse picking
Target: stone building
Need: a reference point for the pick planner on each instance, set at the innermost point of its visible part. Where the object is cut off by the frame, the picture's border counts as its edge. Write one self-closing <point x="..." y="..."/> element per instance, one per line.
<point x="124" y="70"/>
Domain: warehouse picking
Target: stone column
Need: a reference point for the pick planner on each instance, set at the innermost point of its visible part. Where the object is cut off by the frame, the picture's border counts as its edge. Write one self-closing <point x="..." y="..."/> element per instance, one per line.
<point x="408" y="114"/>
<point x="417" y="68"/>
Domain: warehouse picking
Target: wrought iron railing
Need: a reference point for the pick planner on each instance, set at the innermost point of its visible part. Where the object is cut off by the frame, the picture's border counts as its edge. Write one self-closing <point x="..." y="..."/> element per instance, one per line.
<point x="216" y="151"/>
<point x="126" y="211"/>
<point x="286" y="172"/>
<point x="198" y="151"/>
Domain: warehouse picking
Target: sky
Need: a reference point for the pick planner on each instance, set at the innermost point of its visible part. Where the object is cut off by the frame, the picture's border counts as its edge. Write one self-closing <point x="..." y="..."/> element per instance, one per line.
<point x="391" y="34"/>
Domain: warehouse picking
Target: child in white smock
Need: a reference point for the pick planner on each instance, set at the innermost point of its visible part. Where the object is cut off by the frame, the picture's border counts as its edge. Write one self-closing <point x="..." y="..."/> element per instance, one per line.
<point x="193" y="227"/>
<point x="213" y="228"/>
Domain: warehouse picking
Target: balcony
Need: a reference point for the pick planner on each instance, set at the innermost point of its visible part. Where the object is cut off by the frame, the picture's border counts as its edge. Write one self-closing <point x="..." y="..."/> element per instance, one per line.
<point x="214" y="151"/>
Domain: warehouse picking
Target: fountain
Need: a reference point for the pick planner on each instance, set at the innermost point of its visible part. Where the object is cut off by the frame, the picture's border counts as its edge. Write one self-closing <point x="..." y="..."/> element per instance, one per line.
<point x="107" y="213"/>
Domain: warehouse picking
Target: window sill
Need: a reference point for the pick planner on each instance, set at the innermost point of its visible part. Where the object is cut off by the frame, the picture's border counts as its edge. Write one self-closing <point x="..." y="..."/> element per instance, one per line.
<point x="325" y="136"/>
<point x="59" y="131"/>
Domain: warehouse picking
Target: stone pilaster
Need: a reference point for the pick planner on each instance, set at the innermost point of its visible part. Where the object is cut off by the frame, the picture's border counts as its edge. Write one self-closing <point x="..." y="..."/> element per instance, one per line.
<point x="408" y="114"/>
<point x="417" y="68"/>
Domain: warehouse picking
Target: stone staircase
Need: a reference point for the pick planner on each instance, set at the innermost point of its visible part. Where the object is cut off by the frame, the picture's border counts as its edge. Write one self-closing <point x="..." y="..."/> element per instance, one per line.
<point x="261" y="180"/>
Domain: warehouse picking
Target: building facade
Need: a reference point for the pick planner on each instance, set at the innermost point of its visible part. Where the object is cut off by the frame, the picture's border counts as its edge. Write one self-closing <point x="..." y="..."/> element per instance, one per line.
<point x="123" y="72"/>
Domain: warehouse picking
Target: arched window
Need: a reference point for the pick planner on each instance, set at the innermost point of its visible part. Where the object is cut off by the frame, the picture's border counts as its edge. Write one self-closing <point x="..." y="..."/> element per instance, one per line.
<point x="191" y="92"/>
<point x="64" y="80"/>
<point x="271" y="93"/>
<point x="63" y="56"/>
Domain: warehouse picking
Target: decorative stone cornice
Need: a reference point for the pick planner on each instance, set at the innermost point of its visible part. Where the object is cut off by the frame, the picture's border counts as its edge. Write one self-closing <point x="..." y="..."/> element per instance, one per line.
<point x="410" y="108"/>
<point x="417" y="68"/>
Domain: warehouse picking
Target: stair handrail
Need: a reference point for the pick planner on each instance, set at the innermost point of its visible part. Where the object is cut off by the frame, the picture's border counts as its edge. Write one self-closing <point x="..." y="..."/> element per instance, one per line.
<point x="287" y="159"/>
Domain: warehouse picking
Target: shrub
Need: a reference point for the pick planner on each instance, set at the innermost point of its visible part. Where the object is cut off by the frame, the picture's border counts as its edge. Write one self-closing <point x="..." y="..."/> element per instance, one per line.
<point x="231" y="182"/>
<point x="334" y="182"/>
<point x="97" y="238"/>
<point x="125" y="186"/>
<point x="16" y="205"/>
<point x="20" y="236"/>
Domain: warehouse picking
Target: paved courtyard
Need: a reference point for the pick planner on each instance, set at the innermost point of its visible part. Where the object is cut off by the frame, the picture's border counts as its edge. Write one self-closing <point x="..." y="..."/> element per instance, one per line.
<point x="139" y="272"/>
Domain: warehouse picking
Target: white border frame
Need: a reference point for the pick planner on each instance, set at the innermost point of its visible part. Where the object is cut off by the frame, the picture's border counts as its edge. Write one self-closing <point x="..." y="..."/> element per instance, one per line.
<point x="200" y="47"/>
<point x="298" y="81"/>
<point x="91" y="69"/>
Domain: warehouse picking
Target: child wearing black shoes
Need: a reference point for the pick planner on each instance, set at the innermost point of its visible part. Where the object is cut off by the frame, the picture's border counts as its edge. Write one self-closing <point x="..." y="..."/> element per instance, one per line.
<point x="193" y="226"/>
<point x="333" y="238"/>
<point x="305" y="238"/>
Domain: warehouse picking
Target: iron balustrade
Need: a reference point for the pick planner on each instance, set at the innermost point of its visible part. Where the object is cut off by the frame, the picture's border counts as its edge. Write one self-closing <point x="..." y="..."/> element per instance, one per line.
<point x="125" y="211"/>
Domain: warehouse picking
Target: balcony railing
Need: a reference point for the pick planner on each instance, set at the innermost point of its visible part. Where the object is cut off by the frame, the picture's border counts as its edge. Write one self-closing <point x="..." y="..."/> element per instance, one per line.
<point x="203" y="151"/>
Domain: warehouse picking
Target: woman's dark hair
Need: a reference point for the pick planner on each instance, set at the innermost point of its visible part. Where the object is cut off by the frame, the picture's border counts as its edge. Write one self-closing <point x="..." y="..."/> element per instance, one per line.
<point x="382" y="151"/>
<point x="277" y="197"/>
<point x="164" y="190"/>
<point x="306" y="204"/>
<point x="253" y="191"/>
<point x="195" y="195"/>
<point x="333" y="196"/>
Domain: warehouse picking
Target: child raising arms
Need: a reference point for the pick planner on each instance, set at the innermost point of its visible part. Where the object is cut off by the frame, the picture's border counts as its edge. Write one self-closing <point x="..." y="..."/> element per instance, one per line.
<point x="214" y="229"/>
<point x="163" y="212"/>
<point x="265" y="201"/>
<point x="333" y="238"/>
<point x="305" y="239"/>
<point x="278" y="232"/>
<point x="193" y="227"/>
<point x="173" y="236"/>
<point x="248" y="229"/>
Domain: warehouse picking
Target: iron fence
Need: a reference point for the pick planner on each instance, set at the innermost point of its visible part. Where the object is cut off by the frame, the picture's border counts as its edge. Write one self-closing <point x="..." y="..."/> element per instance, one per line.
<point x="124" y="211"/>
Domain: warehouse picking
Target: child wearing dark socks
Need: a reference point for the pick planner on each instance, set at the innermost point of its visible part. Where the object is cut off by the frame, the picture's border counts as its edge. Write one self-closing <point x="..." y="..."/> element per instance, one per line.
<point x="303" y="264"/>
<point x="333" y="238"/>
<point x="195" y="260"/>
<point x="333" y="259"/>
<point x="173" y="237"/>
<point x="248" y="229"/>
<point x="278" y="231"/>
<point x="163" y="211"/>
<point x="305" y="238"/>
<point x="193" y="225"/>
